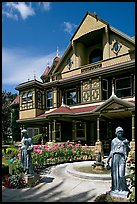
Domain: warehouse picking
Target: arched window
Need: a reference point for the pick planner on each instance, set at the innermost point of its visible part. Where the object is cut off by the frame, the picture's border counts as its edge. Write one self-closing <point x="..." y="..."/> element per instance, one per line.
<point x="24" y="97"/>
<point x="95" y="56"/>
<point x="29" y="96"/>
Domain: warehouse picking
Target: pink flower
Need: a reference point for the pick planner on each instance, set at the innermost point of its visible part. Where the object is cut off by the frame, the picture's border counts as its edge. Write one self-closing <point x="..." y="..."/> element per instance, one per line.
<point x="77" y="145"/>
<point x="55" y="144"/>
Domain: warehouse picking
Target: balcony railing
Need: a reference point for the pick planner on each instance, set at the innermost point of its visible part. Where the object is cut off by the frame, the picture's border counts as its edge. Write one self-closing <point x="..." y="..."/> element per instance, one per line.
<point x="92" y="66"/>
<point x="108" y="62"/>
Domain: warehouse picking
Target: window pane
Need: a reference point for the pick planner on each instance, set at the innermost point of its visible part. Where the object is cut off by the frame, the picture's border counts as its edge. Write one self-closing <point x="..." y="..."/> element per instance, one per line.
<point x="123" y="87"/>
<point x="122" y="83"/>
<point x="24" y="98"/>
<point x="123" y="93"/>
<point x="49" y="94"/>
<point x="29" y="96"/>
<point x="95" y="59"/>
<point x="105" y="84"/>
<point x="39" y="96"/>
<point x="71" y="97"/>
<point x="49" y="99"/>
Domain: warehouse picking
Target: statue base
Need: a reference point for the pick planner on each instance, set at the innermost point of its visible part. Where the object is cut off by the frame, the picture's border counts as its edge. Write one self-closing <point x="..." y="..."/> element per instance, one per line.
<point x="122" y="194"/>
<point x="99" y="167"/>
<point x="31" y="179"/>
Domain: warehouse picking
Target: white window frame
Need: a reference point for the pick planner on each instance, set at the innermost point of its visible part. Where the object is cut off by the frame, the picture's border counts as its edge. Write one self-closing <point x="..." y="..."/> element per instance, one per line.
<point x="84" y="130"/>
<point x="24" y="97"/>
<point x="50" y="98"/>
<point x="29" y="96"/>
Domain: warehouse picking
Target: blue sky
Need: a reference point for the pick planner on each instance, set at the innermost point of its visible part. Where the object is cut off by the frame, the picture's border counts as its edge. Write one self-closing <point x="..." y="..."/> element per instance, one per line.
<point x="32" y="31"/>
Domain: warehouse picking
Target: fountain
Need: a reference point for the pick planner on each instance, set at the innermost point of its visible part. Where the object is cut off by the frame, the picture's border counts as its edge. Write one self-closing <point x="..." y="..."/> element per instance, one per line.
<point x="95" y="170"/>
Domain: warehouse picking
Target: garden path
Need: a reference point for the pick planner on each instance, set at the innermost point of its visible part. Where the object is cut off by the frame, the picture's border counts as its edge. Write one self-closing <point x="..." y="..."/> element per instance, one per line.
<point x="57" y="185"/>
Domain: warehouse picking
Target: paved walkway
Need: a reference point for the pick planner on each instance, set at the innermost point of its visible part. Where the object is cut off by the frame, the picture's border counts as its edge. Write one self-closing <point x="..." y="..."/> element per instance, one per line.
<point x="57" y="185"/>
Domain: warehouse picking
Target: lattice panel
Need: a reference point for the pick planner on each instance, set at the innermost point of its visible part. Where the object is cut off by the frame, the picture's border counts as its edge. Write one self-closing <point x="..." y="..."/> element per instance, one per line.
<point x="86" y="96"/>
<point x="95" y="84"/>
<point x="86" y="86"/>
<point x="95" y="95"/>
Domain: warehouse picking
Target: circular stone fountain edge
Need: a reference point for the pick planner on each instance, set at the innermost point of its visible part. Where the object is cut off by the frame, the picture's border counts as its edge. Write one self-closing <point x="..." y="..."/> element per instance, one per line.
<point x="70" y="169"/>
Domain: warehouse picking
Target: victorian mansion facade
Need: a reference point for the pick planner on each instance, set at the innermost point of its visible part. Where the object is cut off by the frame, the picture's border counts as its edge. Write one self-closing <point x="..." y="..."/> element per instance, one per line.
<point x="87" y="92"/>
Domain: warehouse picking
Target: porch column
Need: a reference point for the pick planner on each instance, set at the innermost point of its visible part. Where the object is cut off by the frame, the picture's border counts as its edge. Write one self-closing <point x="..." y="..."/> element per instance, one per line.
<point x="98" y="131"/>
<point x="132" y="143"/>
<point x="107" y="43"/>
<point x="98" y="144"/>
<point x="133" y="127"/>
<point x="73" y="130"/>
<point x="49" y="131"/>
<point x="54" y="131"/>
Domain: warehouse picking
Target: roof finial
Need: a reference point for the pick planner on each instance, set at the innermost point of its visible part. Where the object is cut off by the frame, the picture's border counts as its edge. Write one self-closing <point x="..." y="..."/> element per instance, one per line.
<point x="34" y="76"/>
<point x="48" y="64"/>
<point x="57" y="52"/>
<point x="62" y="104"/>
<point x="95" y="14"/>
<point x="113" y="90"/>
<point x="28" y="77"/>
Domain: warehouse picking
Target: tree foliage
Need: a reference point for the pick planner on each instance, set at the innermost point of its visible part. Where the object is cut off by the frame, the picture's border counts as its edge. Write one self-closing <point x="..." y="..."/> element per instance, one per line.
<point x="7" y="98"/>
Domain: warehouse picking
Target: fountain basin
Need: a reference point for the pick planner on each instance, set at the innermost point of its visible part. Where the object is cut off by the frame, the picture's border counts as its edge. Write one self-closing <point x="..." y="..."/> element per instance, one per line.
<point x="73" y="170"/>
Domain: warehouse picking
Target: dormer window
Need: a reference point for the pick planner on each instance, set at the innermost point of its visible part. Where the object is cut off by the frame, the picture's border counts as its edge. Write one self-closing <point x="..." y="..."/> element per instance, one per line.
<point x="95" y="56"/>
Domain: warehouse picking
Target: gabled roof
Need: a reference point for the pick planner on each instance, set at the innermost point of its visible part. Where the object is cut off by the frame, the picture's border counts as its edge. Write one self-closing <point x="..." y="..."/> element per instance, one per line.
<point x="64" y="109"/>
<point x="16" y="101"/>
<point x="93" y="15"/>
<point x="131" y="39"/>
<point x="114" y="103"/>
<point x="111" y="28"/>
<point x="45" y="73"/>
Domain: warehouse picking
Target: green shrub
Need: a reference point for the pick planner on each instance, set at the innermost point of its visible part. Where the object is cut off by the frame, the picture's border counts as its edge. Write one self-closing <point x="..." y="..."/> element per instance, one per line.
<point x="11" y="151"/>
<point x="36" y="139"/>
<point x="17" y="181"/>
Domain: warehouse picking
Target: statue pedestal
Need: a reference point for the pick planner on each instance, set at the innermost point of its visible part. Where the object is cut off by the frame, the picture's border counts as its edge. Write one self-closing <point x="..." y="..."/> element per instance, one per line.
<point x="99" y="148"/>
<point x="99" y="167"/>
<point x="31" y="179"/>
<point x="122" y="194"/>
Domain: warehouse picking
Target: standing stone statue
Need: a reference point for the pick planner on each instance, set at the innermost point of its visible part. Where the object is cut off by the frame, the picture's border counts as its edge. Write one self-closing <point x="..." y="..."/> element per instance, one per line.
<point x="118" y="155"/>
<point x="26" y="150"/>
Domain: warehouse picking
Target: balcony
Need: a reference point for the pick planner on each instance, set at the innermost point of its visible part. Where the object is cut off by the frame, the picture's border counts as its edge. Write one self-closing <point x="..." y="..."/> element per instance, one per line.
<point x="108" y="62"/>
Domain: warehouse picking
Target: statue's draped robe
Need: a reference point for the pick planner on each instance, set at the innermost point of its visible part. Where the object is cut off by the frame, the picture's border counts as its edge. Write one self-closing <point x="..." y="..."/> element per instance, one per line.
<point x="26" y="159"/>
<point x="118" y="154"/>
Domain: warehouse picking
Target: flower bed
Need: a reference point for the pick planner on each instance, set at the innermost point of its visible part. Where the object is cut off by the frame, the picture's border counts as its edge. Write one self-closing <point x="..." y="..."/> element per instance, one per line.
<point x="45" y="155"/>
